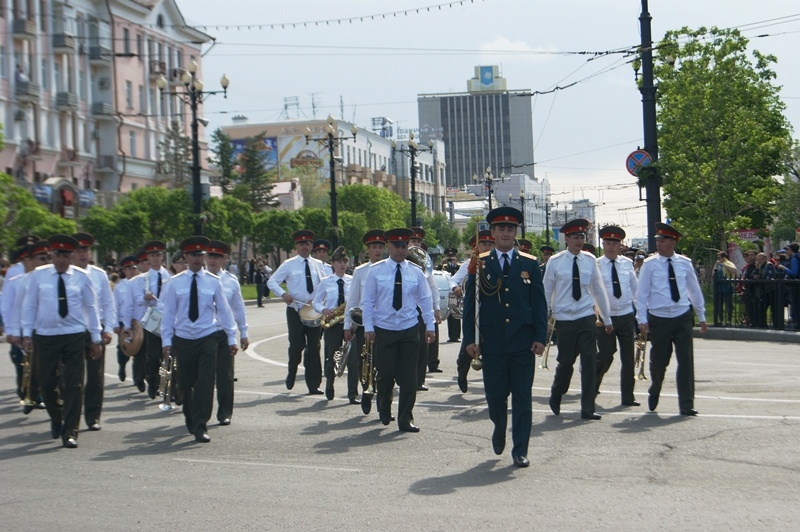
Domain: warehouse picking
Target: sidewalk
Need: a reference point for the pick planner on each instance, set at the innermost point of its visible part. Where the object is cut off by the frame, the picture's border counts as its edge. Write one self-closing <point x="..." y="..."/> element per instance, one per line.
<point x="749" y="335"/>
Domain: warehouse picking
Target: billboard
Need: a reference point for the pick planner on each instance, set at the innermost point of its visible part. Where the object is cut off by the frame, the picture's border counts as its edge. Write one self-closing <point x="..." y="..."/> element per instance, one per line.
<point x="267" y="148"/>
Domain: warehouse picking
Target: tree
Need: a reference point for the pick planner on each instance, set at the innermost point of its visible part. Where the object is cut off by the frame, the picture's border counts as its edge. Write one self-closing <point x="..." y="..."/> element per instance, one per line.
<point x="223" y="157"/>
<point x="273" y="229"/>
<point x="175" y="156"/>
<point x="317" y="220"/>
<point x="353" y="226"/>
<point x="121" y="232"/>
<point x="788" y="204"/>
<point x="254" y="175"/>
<point x="469" y="230"/>
<point x="382" y="208"/>
<point x="167" y="213"/>
<point x="229" y="220"/>
<point x="722" y="135"/>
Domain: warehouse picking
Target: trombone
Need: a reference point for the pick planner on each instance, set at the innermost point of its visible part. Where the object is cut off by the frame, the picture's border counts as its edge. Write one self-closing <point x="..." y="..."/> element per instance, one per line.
<point x="368" y="375"/>
<point x="639" y="358"/>
<point x="167" y="374"/>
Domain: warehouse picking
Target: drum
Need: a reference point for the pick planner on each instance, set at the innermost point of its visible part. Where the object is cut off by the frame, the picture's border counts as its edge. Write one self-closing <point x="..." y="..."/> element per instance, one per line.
<point x="152" y="321"/>
<point x="309" y="316"/>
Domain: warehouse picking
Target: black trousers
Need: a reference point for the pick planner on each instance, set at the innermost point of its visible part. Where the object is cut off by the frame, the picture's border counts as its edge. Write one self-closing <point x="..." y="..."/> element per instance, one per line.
<point x="663" y="333"/>
<point x="225" y="364"/>
<point x="577" y="337"/>
<point x="354" y="362"/>
<point x="624" y="330"/>
<point x="433" y="350"/>
<point x="453" y="329"/>
<point x="139" y="364"/>
<point x="196" y="371"/>
<point x="504" y="374"/>
<point x="95" y="381"/>
<point x="16" y="358"/>
<point x="304" y="344"/>
<point x="334" y="337"/>
<point x="396" y="355"/>
<point x="259" y="293"/>
<point x="59" y="367"/>
<point x="152" y="344"/>
<point x="463" y="362"/>
<point x="422" y="353"/>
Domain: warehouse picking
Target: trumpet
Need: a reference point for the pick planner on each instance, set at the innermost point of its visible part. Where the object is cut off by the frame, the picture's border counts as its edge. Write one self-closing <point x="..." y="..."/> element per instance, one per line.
<point x="27" y="374"/>
<point x="551" y="326"/>
<point x="167" y="374"/>
<point x="368" y="376"/>
<point x="641" y="353"/>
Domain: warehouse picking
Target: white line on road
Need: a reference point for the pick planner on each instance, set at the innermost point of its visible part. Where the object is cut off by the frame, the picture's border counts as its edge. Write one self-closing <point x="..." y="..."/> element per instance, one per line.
<point x="266" y="464"/>
<point x="251" y="351"/>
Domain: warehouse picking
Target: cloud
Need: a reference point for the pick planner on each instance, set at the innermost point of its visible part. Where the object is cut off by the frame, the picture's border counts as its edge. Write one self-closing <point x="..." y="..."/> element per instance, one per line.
<point x="504" y="50"/>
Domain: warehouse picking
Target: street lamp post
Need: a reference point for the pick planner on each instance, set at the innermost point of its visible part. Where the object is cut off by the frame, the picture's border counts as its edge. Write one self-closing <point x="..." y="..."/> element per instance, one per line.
<point x="488" y="182"/>
<point x="331" y="141"/>
<point x="413" y="149"/>
<point x="193" y="95"/>
<point x="522" y="201"/>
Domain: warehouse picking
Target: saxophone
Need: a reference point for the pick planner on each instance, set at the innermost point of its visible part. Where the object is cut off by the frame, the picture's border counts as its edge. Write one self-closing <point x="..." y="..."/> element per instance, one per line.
<point x="167" y="374"/>
<point x="368" y="376"/>
<point x="27" y="373"/>
<point x="335" y="318"/>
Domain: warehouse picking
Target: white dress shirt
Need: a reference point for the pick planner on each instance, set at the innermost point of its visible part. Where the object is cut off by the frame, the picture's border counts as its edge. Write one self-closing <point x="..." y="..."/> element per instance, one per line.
<point x="143" y="284"/>
<point x="293" y="271"/>
<point x="654" y="295"/>
<point x="460" y="275"/>
<point x="376" y="301"/>
<point x="326" y="295"/>
<point x="106" y="306"/>
<point x="627" y="282"/>
<point x="15" y="269"/>
<point x="558" y="287"/>
<point x="353" y="297"/>
<point x="122" y="294"/>
<point x="40" y="307"/>
<point x="13" y="296"/>
<point x="233" y="293"/>
<point x="214" y="313"/>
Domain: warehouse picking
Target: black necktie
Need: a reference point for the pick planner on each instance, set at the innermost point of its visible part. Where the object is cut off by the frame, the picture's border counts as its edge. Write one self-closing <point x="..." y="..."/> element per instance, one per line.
<point x="506" y="264"/>
<point x="397" y="300"/>
<point x="62" y="297"/>
<point x="340" y="282"/>
<point x="576" y="280"/>
<point x="615" y="280"/>
<point x="158" y="285"/>
<point x="673" y="283"/>
<point x="194" y="311"/>
<point x="309" y="283"/>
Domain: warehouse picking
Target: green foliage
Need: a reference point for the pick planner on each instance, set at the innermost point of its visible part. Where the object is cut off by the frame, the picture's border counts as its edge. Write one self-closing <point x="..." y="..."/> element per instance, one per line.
<point x="469" y="231"/>
<point x="353" y="226"/>
<point x="272" y="231"/>
<point x="382" y="208"/>
<point x="316" y="191"/>
<point x="317" y="220"/>
<point x="230" y="219"/>
<point x="254" y="175"/>
<point x="722" y="135"/>
<point x="788" y="203"/>
<point x="222" y="156"/>
<point x="122" y="232"/>
<point x="175" y="156"/>
<point x="167" y="213"/>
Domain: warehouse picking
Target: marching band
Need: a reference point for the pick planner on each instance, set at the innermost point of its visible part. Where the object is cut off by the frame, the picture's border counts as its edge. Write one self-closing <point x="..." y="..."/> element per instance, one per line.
<point x="377" y="323"/>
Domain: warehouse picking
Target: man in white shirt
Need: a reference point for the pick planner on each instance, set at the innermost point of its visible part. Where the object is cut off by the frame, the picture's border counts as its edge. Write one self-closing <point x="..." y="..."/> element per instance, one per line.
<point x="668" y="291"/>
<point x="302" y="274"/>
<point x="573" y="286"/>
<point x="620" y="282"/>
<point x="320" y="251"/>
<point x="122" y="299"/>
<point x="428" y="355"/>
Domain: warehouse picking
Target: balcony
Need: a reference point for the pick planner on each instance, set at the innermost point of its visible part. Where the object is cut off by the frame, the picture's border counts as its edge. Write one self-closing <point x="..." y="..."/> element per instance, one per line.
<point x="27" y="92"/>
<point x="100" y="55"/>
<point x="24" y="28"/>
<point x="157" y="69"/>
<point x="106" y="164"/>
<point x="102" y="111"/>
<point x="69" y="157"/>
<point x="63" y="43"/>
<point x="66" y="101"/>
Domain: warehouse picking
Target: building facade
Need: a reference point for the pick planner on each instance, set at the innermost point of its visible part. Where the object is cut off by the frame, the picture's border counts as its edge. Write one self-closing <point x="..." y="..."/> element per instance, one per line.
<point x="82" y="115"/>
<point x="487" y="126"/>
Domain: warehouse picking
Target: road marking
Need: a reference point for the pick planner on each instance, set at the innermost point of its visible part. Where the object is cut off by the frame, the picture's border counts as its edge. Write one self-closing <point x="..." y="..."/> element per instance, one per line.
<point x="762" y="364"/>
<point x="251" y="351"/>
<point x="267" y="464"/>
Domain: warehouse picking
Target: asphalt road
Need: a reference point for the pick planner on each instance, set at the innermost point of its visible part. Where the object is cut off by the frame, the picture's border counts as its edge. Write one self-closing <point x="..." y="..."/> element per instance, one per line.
<point x="295" y="462"/>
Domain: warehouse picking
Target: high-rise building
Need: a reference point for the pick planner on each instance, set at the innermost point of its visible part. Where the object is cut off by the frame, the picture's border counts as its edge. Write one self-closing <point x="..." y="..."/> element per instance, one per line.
<point x="487" y="126"/>
<point x="82" y="115"/>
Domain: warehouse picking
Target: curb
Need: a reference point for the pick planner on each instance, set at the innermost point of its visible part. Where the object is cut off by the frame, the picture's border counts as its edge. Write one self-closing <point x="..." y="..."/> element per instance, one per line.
<point x="748" y="335"/>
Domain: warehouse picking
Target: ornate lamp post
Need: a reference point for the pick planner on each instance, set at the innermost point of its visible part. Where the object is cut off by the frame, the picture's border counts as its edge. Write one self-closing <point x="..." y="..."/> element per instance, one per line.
<point x="193" y="95"/>
<point x="488" y="181"/>
<point x="413" y="149"/>
<point x="331" y="141"/>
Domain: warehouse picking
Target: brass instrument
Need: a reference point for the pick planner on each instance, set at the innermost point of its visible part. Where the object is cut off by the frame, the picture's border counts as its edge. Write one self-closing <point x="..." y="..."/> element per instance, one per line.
<point x="27" y="374"/>
<point x="130" y="345"/>
<point x="368" y="376"/>
<point x="340" y="357"/>
<point x="335" y="318"/>
<point x="551" y="326"/>
<point x="641" y="354"/>
<point x="165" y="385"/>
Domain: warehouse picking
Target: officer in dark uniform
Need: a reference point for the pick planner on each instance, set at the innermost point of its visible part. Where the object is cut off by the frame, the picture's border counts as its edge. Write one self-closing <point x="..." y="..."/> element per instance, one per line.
<point x="512" y="328"/>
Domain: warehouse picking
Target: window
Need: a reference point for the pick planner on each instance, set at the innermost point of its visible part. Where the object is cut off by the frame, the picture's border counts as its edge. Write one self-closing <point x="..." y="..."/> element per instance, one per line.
<point x="3" y="65"/>
<point x="132" y="136"/>
<point x="45" y="74"/>
<point x="129" y="94"/>
<point x="134" y="186"/>
<point x="140" y="46"/>
<point x="126" y="41"/>
<point x="82" y="84"/>
<point x="142" y="100"/>
<point x="178" y="59"/>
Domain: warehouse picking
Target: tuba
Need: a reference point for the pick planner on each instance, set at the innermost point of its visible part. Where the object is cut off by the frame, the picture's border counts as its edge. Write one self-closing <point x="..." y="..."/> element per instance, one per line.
<point x="420" y="258"/>
<point x="368" y="376"/>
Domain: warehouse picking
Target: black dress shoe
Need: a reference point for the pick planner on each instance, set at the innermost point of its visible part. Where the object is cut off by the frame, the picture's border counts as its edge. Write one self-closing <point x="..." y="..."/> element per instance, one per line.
<point x="366" y="403"/>
<point x="688" y="412"/>
<point x="422" y="388"/>
<point x="202" y="437"/>
<point x="631" y="403"/>
<point x="290" y="379"/>
<point x="225" y="422"/>
<point x="462" y="384"/>
<point x="152" y="390"/>
<point x="71" y="443"/>
<point x="435" y="370"/>
<point x="94" y="426"/>
<point x="354" y="400"/>
<point x="499" y="440"/>
<point x="315" y="391"/>
<point x="27" y="409"/>
<point x="652" y="402"/>
<point x="56" y="429"/>
<point x="329" y="389"/>
<point x="121" y="374"/>
<point x="409" y="427"/>
<point x="590" y="415"/>
<point x="555" y="404"/>
<point x="140" y="386"/>
<point x="385" y="418"/>
<point x="521" y="461"/>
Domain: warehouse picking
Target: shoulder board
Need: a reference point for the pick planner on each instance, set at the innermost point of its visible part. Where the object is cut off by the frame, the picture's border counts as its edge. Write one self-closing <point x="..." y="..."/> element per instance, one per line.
<point x="232" y="276"/>
<point x="624" y="259"/>
<point x="651" y="257"/>
<point x="527" y="255"/>
<point x="207" y="273"/>
<point x="485" y="254"/>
